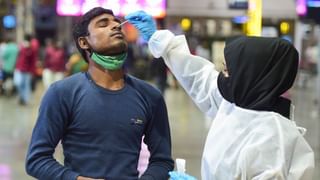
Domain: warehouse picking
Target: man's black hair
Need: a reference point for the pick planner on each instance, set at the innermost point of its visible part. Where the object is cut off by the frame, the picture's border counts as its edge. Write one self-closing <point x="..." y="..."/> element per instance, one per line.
<point x="80" y="29"/>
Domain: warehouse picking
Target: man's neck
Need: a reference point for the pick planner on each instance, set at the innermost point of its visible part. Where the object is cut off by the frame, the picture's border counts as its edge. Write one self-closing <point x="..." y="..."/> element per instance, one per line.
<point x="111" y="80"/>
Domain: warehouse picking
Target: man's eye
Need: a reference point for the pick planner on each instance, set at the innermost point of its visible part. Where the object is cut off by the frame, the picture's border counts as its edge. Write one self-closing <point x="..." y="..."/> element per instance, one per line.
<point x="103" y="24"/>
<point x="118" y="21"/>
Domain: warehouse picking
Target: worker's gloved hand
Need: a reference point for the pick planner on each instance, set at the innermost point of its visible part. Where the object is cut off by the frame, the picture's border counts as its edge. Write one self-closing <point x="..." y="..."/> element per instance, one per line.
<point x="143" y="22"/>
<point x="174" y="175"/>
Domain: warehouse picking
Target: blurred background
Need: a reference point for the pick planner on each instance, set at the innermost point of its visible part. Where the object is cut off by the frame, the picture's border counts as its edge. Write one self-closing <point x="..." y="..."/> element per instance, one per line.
<point x="44" y="27"/>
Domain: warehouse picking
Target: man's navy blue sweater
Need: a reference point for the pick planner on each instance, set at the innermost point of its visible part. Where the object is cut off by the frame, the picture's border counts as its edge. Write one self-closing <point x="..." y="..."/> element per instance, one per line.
<point x="100" y="131"/>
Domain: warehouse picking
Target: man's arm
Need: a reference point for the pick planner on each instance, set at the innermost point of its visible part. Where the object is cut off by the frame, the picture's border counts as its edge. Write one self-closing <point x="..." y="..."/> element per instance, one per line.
<point x="158" y="139"/>
<point x="48" y="131"/>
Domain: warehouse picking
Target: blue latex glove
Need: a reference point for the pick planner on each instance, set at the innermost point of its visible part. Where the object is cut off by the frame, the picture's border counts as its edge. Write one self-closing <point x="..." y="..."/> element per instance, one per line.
<point x="174" y="175"/>
<point x="143" y="22"/>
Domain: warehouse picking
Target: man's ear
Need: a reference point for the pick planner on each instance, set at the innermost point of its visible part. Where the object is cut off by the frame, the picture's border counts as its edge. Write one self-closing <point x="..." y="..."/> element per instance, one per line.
<point x="83" y="43"/>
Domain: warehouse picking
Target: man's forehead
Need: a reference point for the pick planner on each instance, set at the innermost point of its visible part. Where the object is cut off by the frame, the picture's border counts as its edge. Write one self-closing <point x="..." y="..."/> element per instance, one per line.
<point x="103" y="16"/>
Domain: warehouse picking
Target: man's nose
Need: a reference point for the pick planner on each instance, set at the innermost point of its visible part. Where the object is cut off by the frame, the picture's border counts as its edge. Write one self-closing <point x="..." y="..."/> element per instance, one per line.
<point x="116" y="26"/>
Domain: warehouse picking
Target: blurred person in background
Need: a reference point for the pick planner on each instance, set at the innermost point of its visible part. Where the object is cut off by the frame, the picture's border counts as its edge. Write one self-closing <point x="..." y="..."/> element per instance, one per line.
<point x="54" y="63"/>
<point x="252" y="135"/>
<point x="138" y="59"/>
<point x="75" y="64"/>
<point x="101" y="115"/>
<point x="312" y="57"/>
<point x="202" y="50"/>
<point x="10" y="54"/>
<point x="318" y="78"/>
<point x="48" y="49"/>
<point x="1" y="80"/>
<point x="35" y="46"/>
<point x="159" y="70"/>
<point x="2" y="46"/>
<point x="25" y="70"/>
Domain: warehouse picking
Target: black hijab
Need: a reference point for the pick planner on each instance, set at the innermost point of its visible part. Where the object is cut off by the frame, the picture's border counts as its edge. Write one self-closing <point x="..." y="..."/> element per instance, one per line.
<point x="260" y="71"/>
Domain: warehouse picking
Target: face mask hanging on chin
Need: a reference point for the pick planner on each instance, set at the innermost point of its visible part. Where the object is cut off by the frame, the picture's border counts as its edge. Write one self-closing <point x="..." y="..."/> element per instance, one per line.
<point x="109" y="62"/>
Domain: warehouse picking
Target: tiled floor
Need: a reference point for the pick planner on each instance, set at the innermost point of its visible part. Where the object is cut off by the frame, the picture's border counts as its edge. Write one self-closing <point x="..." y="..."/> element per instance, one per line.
<point x="189" y="128"/>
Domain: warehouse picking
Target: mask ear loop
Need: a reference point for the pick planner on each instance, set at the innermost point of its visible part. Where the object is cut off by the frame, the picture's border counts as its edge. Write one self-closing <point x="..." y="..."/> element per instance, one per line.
<point x="301" y="130"/>
<point x="292" y="108"/>
<point x="225" y="71"/>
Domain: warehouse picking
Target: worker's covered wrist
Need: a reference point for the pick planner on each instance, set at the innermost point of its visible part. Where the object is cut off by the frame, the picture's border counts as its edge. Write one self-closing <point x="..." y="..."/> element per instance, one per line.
<point x="159" y="42"/>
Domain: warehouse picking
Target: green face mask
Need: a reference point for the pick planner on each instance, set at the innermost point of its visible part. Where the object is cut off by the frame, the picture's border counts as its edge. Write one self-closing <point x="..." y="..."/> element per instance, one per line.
<point x="109" y="62"/>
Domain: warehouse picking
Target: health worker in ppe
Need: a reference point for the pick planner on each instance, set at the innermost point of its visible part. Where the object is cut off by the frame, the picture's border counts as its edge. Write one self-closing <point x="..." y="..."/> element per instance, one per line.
<point x="252" y="135"/>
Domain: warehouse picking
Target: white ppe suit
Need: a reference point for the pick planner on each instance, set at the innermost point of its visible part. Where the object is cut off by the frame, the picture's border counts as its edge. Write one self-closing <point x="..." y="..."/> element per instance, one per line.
<point x="241" y="144"/>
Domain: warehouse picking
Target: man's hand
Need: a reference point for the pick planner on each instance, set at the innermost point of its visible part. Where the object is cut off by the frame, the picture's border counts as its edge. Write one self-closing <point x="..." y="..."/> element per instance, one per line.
<point x="86" y="178"/>
<point x="143" y="22"/>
